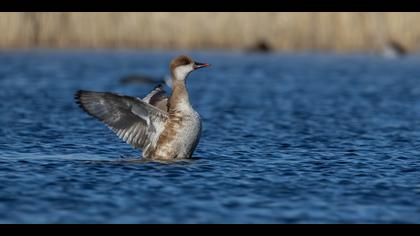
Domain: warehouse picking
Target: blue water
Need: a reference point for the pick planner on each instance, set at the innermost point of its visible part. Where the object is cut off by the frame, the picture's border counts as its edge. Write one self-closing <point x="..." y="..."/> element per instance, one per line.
<point x="287" y="138"/>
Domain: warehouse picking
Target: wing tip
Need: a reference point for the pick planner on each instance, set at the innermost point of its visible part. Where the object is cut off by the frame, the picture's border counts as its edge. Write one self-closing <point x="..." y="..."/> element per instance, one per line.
<point x="78" y="99"/>
<point x="78" y="96"/>
<point x="158" y="87"/>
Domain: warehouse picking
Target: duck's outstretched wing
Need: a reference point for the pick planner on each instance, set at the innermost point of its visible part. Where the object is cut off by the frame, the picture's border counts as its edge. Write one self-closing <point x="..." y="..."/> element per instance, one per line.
<point x="158" y="98"/>
<point x="133" y="120"/>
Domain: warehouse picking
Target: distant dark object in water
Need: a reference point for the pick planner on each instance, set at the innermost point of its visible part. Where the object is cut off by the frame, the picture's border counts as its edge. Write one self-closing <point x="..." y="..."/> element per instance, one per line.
<point x="261" y="46"/>
<point x="140" y="79"/>
<point x="394" y="49"/>
<point x="144" y="79"/>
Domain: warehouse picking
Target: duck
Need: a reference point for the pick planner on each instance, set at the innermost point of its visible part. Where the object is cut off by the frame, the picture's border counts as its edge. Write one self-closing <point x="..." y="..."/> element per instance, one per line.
<point x="145" y="79"/>
<point x="163" y="127"/>
<point x="261" y="46"/>
<point x="394" y="49"/>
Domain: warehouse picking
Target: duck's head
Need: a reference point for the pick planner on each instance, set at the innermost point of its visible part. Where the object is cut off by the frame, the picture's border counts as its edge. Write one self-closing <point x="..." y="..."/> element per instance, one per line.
<point x="183" y="65"/>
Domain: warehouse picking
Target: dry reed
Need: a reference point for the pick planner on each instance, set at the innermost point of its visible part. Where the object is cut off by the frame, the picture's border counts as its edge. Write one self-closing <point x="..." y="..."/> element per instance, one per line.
<point x="283" y="31"/>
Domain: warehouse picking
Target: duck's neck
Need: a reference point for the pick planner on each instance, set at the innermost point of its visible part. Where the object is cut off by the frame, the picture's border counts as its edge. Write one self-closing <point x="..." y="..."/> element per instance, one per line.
<point x="179" y="100"/>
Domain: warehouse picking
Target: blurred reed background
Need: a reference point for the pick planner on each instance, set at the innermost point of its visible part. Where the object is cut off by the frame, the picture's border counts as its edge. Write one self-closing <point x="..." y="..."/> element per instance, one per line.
<point x="282" y="31"/>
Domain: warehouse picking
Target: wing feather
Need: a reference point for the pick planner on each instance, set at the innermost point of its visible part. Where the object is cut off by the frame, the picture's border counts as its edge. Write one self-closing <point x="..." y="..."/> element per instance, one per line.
<point x="158" y="98"/>
<point x="135" y="121"/>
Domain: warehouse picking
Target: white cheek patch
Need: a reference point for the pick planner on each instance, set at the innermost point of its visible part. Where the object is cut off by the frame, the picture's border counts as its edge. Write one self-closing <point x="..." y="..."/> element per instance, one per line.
<point x="181" y="72"/>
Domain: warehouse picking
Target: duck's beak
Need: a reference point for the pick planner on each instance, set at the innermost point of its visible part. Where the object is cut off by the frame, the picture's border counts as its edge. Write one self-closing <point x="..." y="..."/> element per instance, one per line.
<point x="198" y="65"/>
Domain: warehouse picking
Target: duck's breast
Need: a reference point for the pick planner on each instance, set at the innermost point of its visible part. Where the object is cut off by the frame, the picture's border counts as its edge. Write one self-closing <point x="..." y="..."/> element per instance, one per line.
<point x="180" y="137"/>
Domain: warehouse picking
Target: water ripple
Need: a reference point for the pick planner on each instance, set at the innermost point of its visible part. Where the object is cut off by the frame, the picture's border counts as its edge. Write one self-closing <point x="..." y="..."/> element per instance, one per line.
<point x="335" y="142"/>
